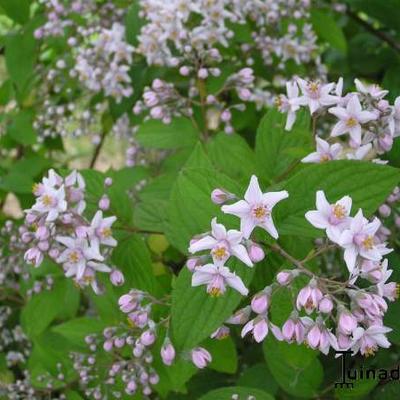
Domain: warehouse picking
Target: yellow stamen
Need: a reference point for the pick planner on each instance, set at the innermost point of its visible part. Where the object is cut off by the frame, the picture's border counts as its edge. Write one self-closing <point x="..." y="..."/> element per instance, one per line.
<point x="324" y="158"/>
<point x="73" y="257"/>
<point x="368" y="242"/>
<point x="351" y="122"/>
<point x="47" y="200"/>
<point x="369" y="351"/>
<point x="220" y="253"/>
<point x="260" y="212"/>
<point x="214" y="292"/>
<point x="339" y="211"/>
<point x="106" y="232"/>
<point x="313" y="87"/>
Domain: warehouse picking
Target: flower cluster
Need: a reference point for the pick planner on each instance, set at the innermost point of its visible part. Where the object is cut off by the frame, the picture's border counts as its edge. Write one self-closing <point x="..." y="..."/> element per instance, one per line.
<point x="329" y="313"/>
<point x="192" y="38"/>
<point x="255" y="210"/>
<point x="103" y="63"/>
<point x="368" y="119"/>
<point x="56" y="227"/>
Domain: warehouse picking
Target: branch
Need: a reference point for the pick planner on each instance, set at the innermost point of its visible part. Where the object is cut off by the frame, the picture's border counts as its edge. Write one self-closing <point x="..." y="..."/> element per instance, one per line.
<point x="97" y="150"/>
<point x="390" y="40"/>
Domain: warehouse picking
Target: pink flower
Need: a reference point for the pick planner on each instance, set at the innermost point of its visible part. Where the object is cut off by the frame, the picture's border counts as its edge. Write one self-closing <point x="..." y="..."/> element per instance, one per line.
<point x="222" y="244"/>
<point x="128" y="302"/>
<point x="294" y="330"/>
<point x="347" y="323"/>
<point x="288" y="104"/>
<point x="319" y="337"/>
<point x="259" y="328"/>
<point x="256" y="252"/>
<point x="221" y="333"/>
<point x="220" y="196"/>
<point x="256" y="209"/>
<point x="117" y="277"/>
<point x="367" y="341"/>
<point x="100" y="232"/>
<point x="325" y="305"/>
<point x="334" y="218"/>
<point x="260" y="302"/>
<point x="325" y="152"/>
<point x="200" y="357"/>
<point x="316" y="95"/>
<point x="370" y="90"/>
<point x="309" y="298"/>
<point x="359" y="239"/>
<point x="240" y="317"/>
<point x="350" y="119"/>
<point x="216" y="278"/>
<point x="167" y="353"/>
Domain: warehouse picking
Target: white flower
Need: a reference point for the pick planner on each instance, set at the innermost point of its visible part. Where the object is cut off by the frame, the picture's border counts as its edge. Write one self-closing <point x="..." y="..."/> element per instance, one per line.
<point x="99" y="231"/>
<point x="289" y="104"/>
<point x="256" y="209"/>
<point x="51" y="202"/>
<point x="78" y="255"/>
<point x="360" y="239"/>
<point x="217" y="278"/>
<point x="351" y="119"/>
<point x="325" y="152"/>
<point x="332" y="217"/>
<point x="316" y="95"/>
<point x="367" y="340"/>
<point x="360" y="153"/>
<point x="222" y="244"/>
<point x="371" y="90"/>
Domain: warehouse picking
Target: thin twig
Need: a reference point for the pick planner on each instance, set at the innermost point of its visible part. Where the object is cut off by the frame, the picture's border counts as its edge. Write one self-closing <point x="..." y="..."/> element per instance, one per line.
<point x="390" y="40"/>
<point x="98" y="149"/>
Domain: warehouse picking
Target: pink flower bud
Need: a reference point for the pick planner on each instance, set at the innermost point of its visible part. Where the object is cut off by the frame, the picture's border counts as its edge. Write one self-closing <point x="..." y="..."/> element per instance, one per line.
<point x="147" y="338"/>
<point x="104" y="203"/>
<point x="325" y="305"/>
<point x="220" y="196"/>
<point x="117" y="277"/>
<point x="385" y="210"/>
<point x="54" y="253"/>
<point x="347" y="323"/>
<point x="244" y="94"/>
<point x="131" y="387"/>
<point x="240" y="317"/>
<point x="386" y="142"/>
<point x="167" y="353"/>
<point x="108" y="181"/>
<point x="119" y="342"/>
<point x="260" y="303"/>
<point x="284" y="277"/>
<point x="221" y="333"/>
<point x="42" y="233"/>
<point x="256" y="252"/>
<point x="157" y="84"/>
<point x="108" y="345"/>
<point x="157" y="112"/>
<point x="184" y="70"/>
<point x="81" y="231"/>
<point x="200" y="357"/>
<point x="210" y="99"/>
<point x="203" y="73"/>
<point x="43" y="245"/>
<point x="192" y="263"/>
<point x="226" y="116"/>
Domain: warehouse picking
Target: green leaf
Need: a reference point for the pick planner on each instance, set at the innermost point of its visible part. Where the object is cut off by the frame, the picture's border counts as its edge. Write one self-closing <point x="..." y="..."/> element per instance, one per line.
<point x="190" y="210"/>
<point x="393" y="321"/>
<point x="21" y="129"/>
<point x="179" y="133"/>
<point x="224" y="355"/>
<point x="195" y="314"/>
<point x="43" y="308"/>
<point x="388" y="391"/>
<point x="17" y="10"/>
<point x="362" y="387"/>
<point x="75" y="330"/>
<point x="132" y="257"/>
<point x="258" y="376"/>
<point x="295" y="368"/>
<point x="20" y="57"/>
<point x="368" y="184"/>
<point x="274" y="143"/>
<point x="243" y="392"/>
<point x="133" y="24"/>
<point x="232" y="155"/>
<point x="326" y="28"/>
<point x="17" y="182"/>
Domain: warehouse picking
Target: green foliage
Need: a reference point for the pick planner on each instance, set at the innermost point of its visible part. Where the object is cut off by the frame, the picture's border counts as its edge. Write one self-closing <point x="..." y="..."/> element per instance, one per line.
<point x="228" y="392"/>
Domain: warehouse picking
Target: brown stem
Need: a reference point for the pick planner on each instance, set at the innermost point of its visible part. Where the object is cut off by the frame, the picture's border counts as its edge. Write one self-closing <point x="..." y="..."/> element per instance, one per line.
<point x="390" y="40"/>
<point x="97" y="150"/>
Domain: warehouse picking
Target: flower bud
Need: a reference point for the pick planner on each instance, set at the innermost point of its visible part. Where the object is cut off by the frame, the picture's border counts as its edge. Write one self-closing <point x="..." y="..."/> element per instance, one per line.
<point x="108" y="345"/>
<point x="260" y="303"/>
<point x="385" y="210"/>
<point x="284" y="277"/>
<point x="108" y="181"/>
<point x="184" y="70"/>
<point x="220" y="196"/>
<point x="325" y="305"/>
<point x="167" y="353"/>
<point x="256" y="252"/>
<point x="200" y="357"/>
<point x="104" y="203"/>
<point x="147" y="338"/>
<point x="203" y="73"/>
<point x="117" y="277"/>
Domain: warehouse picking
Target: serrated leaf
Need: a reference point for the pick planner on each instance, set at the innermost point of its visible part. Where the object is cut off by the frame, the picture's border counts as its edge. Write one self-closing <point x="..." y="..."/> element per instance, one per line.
<point x="274" y="143"/>
<point x="243" y="393"/>
<point x="195" y="314"/>
<point x="368" y="184"/>
<point x="179" y="133"/>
